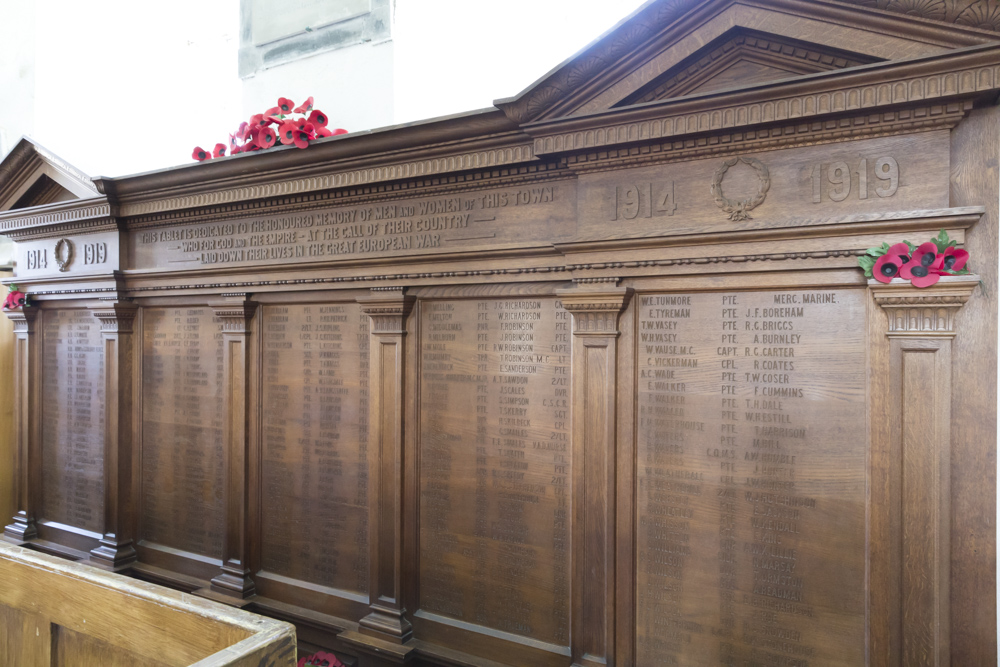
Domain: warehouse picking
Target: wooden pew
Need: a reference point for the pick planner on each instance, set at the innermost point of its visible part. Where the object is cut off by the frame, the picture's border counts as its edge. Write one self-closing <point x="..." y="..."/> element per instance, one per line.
<point x="55" y="612"/>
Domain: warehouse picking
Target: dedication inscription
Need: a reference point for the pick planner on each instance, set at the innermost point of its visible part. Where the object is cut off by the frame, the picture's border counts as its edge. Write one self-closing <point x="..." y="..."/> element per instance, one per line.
<point x="315" y="439"/>
<point x="73" y="428"/>
<point x="751" y="478"/>
<point x="182" y="481"/>
<point x="495" y="466"/>
<point x="402" y="227"/>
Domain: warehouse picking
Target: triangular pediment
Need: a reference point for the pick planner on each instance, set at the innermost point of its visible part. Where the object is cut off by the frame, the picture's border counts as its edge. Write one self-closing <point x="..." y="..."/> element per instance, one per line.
<point x="32" y="176"/>
<point x="681" y="48"/>
<point x="744" y="58"/>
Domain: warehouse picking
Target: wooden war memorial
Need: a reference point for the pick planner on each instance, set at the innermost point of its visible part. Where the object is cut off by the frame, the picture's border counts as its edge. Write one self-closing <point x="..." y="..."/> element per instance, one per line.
<point x="588" y="378"/>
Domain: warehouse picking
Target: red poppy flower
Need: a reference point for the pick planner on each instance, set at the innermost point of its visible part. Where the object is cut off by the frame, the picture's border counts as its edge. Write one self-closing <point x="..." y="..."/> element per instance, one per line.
<point x="256" y="120"/>
<point x="201" y="154"/>
<point x="318" y="118"/>
<point x="305" y="107"/>
<point x="220" y="150"/>
<point x="900" y="249"/>
<point x="320" y="659"/>
<point x="285" y="105"/>
<point x="924" y="255"/>
<point x="14" y="300"/>
<point x="302" y="136"/>
<point x="339" y="130"/>
<point x="323" y="132"/>
<point x="887" y="267"/>
<point x="952" y="259"/>
<point x="920" y="269"/>
<point x="286" y="133"/>
<point x="267" y="137"/>
<point x="243" y="131"/>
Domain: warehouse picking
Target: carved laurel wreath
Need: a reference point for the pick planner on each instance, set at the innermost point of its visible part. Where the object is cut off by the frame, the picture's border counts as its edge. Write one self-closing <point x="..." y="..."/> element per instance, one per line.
<point x="64" y="253"/>
<point x="739" y="210"/>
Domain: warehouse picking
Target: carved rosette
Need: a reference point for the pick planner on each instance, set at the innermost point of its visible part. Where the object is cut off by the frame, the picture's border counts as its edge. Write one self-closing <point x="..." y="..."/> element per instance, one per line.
<point x="924" y="313"/>
<point x="595" y="312"/>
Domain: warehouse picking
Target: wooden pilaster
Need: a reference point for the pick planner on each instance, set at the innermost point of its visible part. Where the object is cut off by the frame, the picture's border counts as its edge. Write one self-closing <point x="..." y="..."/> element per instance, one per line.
<point x="236" y="314"/>
<point x="27" y="423"/>
<point x="388" y="310"/>
<point x="917" y="488"/>
<point x="116" y="550"/>
<point x="595" y="309"/>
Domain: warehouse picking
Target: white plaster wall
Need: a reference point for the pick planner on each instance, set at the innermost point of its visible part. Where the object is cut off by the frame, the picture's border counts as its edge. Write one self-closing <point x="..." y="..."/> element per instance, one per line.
<point x="6" y="252"/>
<point x="121" y="86"/>
<point x="17" y="72"/>
<point x="457" y="55"/>
<point x="353" y="86"/>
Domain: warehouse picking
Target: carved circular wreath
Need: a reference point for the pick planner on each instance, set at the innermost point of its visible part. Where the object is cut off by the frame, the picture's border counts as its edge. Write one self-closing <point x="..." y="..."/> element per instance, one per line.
<point x="64" y="253"/>
<point x="739" y="210"/>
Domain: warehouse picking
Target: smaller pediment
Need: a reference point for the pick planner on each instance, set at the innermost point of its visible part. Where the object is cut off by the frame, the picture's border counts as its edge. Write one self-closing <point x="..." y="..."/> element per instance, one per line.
<point x="743" y="58"/>
<point x="32" y="176"/>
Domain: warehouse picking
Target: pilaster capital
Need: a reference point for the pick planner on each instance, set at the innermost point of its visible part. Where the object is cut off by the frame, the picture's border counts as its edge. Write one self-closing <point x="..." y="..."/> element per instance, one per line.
<point x="117" y="316"/>
<point x="387" y="307"/>
<point x="236" y="311"/>
<point x="927" y="312"/>
<point x="24" y="318"/>
<point x="595" y="307"/>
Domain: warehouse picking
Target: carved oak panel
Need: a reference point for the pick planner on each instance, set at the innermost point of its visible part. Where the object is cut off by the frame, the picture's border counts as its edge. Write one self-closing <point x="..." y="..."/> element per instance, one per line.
<point x="751" y="478"/>
<point x="315" y="444"/>
<point x="182" y="481"/>
<point x="73" y="430"/>
<point x="495" y="465"/>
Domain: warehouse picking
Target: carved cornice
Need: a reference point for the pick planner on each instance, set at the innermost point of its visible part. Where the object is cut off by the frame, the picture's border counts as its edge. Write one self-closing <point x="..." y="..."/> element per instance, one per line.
<point x="923" y="312"/>
<point x="482" y="159"/>
<point x="595" y="310"/>
<point x="979" y="14"/>
<point x="923" y="82"/>
<point x="236" y="313"/>
<point x="60" y="219"/>
<point x="388" y="308"/>
<point x="116" y="317"/>
<point x="436" y="186"/>
<point x="24" y="319"/>
<point x="788" y="135"/>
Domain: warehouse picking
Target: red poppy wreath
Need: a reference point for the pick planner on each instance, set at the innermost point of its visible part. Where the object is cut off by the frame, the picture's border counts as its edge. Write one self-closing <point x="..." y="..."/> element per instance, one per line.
<point x="276" y="125"/>
<point x="320" y="659"/>
<point x="15" y="299"/>
<point x="922" y="265"/>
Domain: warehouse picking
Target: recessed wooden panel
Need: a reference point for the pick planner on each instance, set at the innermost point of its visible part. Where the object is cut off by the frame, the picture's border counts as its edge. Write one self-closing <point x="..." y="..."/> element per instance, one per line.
<point x="487" y="219"/>
<point x="71" y="649"/>
<point x="751" y="478"/>
<point x="809" y="186"/>
<point x="73" y="428"/>
<point x="182" y="481"/>
<point x="495" y="466"/>
<point x="315" y="444"/>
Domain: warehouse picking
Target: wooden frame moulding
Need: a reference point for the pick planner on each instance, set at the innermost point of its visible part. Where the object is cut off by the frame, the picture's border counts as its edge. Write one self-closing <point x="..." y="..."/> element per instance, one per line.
<point x="116" y="550"/>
